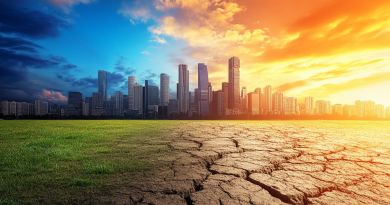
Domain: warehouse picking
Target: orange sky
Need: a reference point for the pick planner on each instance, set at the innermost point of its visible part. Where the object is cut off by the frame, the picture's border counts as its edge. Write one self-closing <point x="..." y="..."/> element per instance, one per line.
<point x="335" y="50"/>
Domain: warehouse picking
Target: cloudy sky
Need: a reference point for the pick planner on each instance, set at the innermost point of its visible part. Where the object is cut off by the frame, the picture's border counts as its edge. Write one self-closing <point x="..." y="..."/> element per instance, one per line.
<point x="329" y="49"/>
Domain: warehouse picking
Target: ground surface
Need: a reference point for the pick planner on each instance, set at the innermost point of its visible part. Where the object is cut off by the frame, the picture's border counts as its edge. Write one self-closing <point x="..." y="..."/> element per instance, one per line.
<point x="290" y="162"/>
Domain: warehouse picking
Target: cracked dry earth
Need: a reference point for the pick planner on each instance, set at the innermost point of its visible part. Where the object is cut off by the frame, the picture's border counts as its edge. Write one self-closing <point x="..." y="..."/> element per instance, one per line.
<point x="239" y="163"/>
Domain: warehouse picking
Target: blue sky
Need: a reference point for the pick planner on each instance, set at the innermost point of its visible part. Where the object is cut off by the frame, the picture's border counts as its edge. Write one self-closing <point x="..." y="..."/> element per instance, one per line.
<point x="87" y="37"/>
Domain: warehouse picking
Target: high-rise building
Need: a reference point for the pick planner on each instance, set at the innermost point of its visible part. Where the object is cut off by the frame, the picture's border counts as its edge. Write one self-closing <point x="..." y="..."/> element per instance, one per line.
<point x="183" y="88"/>
<point x="218" y="103"/>
<point x="203" y="89"/>
<point x="75" y="99"/>
<point x="234" y="82"/>
<point x="338" y="109"/>
<point x="225" y="89"/>
<point x="102" y="83"/>
<point x="145" y="93"/>
<point x="253" y="103"/>
<point x="153" y="95"/>
<point x="138" y="98"/>
<point x="349" y="110"/>
<point x="164" y="89"/>
<point x="244" y="98"/>
<point x="380" y="111"/>
<point x="387" y="112"/>
<point x="132" y="80"/>
<point x="359" y="108"/>
<point x="196" y="97"/>
<point x="173" y="106"/>
<point x="277" y="103"/>
<point x="309" y="105"/>
<point x="290" y="105"/>
<point x="41" y="107"/>
<point x="210" y="93"/>
<point x="261" y="100"/>
<point x="4" y="108"/>
<point x="85" y="109"/>
<point x="96" y="100"/>
<point x="267" y="99"/>
<point x="118" y="103"/>
<point x="323" y="107"/>
<point x="126" y="101"/>
<point x="369" y="108"/>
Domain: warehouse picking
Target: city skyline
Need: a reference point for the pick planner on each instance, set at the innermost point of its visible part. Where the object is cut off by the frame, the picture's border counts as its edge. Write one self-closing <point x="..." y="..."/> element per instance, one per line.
<point x="328" y="52"/>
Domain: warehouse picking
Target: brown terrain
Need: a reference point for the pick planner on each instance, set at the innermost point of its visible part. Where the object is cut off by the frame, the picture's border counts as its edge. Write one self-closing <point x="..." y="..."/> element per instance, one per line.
<point x="260" y="163"/>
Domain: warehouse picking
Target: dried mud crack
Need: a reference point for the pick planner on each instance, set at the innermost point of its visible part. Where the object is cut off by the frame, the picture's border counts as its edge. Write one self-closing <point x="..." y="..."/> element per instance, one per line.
<point x="231" y="163"/>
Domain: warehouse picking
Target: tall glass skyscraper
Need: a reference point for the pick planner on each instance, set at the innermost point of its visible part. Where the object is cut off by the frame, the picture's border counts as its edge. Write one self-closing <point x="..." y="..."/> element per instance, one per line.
<point x="132" y="80"/>
<point x="183" y="88"/>
<point x="138" y="98"/>
<point x="203" y="89"/>
<point x="153" y="95"/>
<point x="234" y="82"/>
<point x="164" y="89"/>
<point x="102" y="83"/>
<point x="75" y="99"/>
<point x="267" y="99"/>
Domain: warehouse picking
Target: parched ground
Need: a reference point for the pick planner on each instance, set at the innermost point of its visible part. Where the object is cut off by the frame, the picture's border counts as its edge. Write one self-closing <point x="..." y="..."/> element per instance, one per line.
<point x="317" y="162"/>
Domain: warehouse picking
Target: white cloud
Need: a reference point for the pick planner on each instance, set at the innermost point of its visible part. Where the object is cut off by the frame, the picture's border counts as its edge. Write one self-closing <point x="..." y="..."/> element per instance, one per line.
<point x="145" y="52"/>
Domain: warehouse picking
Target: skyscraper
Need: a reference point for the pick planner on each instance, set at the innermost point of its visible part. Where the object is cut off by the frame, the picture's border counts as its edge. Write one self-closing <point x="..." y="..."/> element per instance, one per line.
<point x="145" y="93"/>
<point x="261" y="100"/>
<point x="138" y="98"/>
<point x="323" y="107"/>
<point x="267" y="99"/>
<point x="253" y="103"/>
<point x="277" y="103"/>
<point x="203" y="89"/>
<point x="132" y="80"/>
<point x="102" y="83"/>
<point x="118" y="100"/>
<point x="75" y="99"/>
<point x="234" y="82"/>
<point x="153" y="95"/>
<point x="290" y="106"/>
<point x="164" y="89"/>
<point x="225" y="89"/>
<point x="183" y="88"/>
<point x="309" y="105"/>
<point x="96" y="100"/>
<point x="210" y="93"/>
<point x="244" y="98"/>
<point x="218" y="103"/>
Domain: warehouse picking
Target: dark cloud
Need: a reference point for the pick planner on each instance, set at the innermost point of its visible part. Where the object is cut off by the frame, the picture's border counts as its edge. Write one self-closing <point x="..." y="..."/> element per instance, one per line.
<point x="68" y="66"/>
<point x="10" y="58"/>
<point x="18" y="44"/>
<point x="115" y="79"/>
<point x="120" y="67"/>
<point x="29" y="23"/>
<point x="86" y="82"/>
<point x="58" y="58"/>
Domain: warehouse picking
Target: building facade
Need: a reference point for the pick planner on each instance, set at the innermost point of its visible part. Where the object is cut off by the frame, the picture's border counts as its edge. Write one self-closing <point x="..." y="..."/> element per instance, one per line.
<point x="132" y="80"/>
<point x="290" y="105"/>
<point x="277" y="103"/>
<point x="267" y="99"/>
<point x="183" y="88"/>
<point x="253" y="103"/>
<point x="102" y="83"/>
<point x="234" y="83"/>
<point x="138" y="98"/>
<point x="309" y="105"/>
<point x="164" y="89"/>
<point x="203" y="89"/>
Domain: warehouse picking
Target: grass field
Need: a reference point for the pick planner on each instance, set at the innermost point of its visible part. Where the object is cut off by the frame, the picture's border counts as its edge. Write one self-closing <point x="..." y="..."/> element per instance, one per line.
<point x="73" y="162"/>
<point x="82" y="162"/>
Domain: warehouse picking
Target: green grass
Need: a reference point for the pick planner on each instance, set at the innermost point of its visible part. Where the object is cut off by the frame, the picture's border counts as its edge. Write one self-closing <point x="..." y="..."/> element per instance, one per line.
<point x="72" y="161"/>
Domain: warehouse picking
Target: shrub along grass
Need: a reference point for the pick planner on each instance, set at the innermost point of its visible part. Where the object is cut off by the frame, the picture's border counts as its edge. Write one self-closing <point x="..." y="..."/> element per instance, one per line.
<point x="62" y="162"/>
